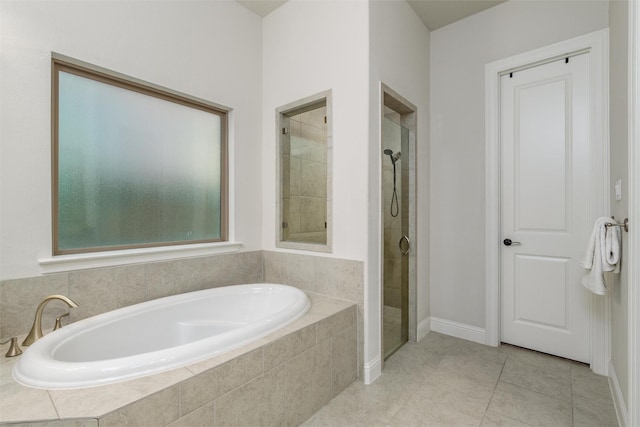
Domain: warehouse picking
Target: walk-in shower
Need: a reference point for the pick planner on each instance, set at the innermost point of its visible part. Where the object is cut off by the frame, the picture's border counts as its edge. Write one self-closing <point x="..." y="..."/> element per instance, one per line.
<point x="395" y="173"/>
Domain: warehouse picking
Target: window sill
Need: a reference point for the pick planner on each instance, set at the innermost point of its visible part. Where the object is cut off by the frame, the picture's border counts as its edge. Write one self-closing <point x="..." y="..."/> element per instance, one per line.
<point x="61" y="263"/>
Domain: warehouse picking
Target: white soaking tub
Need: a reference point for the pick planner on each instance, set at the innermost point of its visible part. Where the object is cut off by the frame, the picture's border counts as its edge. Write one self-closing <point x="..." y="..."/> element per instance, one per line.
<point x="158" y="335"/>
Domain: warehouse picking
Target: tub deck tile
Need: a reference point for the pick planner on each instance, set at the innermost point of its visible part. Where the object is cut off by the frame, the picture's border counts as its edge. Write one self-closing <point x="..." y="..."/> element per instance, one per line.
<point x="159" y="409"/>
<point x="99" y="401"/>
<point x="215" y="382"/>
<point x="227" y="387"/>
<point x="288" y="346"/>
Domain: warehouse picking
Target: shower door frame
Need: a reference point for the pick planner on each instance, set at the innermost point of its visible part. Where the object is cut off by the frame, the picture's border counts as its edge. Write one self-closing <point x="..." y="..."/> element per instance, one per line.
<point x="408" y="114"/>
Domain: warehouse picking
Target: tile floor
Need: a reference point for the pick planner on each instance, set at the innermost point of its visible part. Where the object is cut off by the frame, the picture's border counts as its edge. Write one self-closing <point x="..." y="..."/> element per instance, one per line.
<point x="445" y="381"/>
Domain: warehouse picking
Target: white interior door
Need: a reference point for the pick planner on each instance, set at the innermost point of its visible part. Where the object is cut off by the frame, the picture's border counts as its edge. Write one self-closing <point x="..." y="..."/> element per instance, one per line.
<point x="545" y="171"/>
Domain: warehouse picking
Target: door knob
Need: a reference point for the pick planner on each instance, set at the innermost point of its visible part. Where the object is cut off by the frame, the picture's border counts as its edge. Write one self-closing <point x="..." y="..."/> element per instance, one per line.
<point x="509" y="242"/>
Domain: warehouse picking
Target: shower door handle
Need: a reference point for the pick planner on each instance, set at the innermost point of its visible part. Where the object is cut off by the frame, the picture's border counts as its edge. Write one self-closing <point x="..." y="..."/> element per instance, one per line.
<point x="404" y="238"/>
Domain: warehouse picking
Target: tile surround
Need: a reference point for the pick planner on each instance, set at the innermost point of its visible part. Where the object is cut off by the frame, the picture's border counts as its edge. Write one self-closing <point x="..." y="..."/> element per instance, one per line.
<point x="338" y="278"/>
<point x="103" y="289"/>
<point x="281" y="380"/>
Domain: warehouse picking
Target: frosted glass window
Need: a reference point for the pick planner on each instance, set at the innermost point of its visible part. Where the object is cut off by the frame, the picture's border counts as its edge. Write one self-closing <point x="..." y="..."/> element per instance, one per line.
<point x="134" y="167"/>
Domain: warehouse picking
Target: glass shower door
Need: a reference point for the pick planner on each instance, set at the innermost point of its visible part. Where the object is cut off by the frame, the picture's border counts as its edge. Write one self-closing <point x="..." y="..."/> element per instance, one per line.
<point x="395" y="192"/>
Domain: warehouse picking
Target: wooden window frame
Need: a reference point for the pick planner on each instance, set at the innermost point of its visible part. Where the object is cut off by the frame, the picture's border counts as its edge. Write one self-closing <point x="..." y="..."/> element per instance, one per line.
<point x="68" y="65"/>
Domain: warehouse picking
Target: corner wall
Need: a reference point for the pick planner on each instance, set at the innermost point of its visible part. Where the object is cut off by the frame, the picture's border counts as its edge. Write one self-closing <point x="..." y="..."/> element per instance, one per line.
<point x="310" y="47"/>
<point x="399" y="58"/>
<point x="618" y="109"/>
<point x="459" y="53"/>
<point x="211" y="50"/>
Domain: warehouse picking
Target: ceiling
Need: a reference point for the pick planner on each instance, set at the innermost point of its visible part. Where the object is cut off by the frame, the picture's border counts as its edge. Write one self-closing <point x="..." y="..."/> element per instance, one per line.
<point x="262" y="7"/>
<point x="438" y="13"/>
<point x="434" y="13"/>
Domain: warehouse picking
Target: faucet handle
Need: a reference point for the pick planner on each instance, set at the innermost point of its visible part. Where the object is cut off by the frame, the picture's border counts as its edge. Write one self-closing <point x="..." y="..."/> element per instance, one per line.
<point x="59" y="321"/>
<point x="14" y="348"/>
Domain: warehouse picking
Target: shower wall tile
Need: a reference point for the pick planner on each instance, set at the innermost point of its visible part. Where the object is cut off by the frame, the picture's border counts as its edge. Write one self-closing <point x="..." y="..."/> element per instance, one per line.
<point x="391" y="247"/>
<point x="392" y="297"/>
<point x="310" y="145"/>
<point x="313" y="179"/>
<point x="285" y="174"/>
<point x="294" y="217"/>
<point x="392" y="273"/>
<point x="312" y="212"/>
<point x="19" y="299"/>
<point x="295" y="171"/>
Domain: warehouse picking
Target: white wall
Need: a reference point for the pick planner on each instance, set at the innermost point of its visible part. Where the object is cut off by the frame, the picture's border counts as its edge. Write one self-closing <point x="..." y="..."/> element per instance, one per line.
<point x="399" y="57"/>
<point x="211" y="50"/>
<point x="310" y="47"/>
<point x="459" y="53"/>
<point x="618" y="108"/>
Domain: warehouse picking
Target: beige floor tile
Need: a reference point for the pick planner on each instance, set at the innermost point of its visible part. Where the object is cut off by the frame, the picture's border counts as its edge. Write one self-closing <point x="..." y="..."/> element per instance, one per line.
<point x="412" y="361"/>
<point x="494" y="419"/>
<point x="456" y="392"/>
<point x="452" y="346"/>
<point x="417" y="412"/>
<point x="478" y="369"/>
<point x="446" y="381"/>
<point x="361" y="405"/>
<point x="536" y="358"/>
<point x="550" y="380"/>
<point x="586" y="383"/>
<point x="530" y="407"/>
<point x="592" y="412"/>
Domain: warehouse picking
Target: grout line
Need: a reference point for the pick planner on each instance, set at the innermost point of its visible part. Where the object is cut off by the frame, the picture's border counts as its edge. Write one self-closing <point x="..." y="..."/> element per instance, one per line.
<point x="494" y="389"/>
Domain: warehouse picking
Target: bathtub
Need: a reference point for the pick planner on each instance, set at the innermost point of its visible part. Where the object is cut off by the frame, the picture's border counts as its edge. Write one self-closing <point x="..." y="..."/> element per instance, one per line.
<point x="158" y="335"/>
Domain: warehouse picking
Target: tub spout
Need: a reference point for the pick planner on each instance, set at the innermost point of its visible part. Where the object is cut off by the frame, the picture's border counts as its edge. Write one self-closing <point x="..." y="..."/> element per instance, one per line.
<point x="36" y="330"/>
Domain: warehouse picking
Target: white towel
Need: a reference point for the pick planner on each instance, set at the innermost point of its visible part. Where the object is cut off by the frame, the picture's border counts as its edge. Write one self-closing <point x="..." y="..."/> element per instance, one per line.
<point x="603" y="254"/>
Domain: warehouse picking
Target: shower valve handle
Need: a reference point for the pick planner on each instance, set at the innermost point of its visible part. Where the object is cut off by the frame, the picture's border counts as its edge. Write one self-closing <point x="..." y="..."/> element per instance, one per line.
<point x="404" y="251"/>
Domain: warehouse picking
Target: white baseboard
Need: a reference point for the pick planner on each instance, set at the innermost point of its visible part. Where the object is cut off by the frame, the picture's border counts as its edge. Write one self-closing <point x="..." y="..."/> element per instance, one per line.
<point x="458" y="330"/>
<point x="424" y="327"/>
<point x="618" y="400"/>
<point x="372" y="370"/>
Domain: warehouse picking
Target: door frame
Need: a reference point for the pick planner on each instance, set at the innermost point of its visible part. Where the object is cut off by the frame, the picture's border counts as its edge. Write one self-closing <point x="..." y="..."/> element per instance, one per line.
<point x="597" y="44"/>
<point x="633" y="406"/>
<point x="408" y="118"/>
